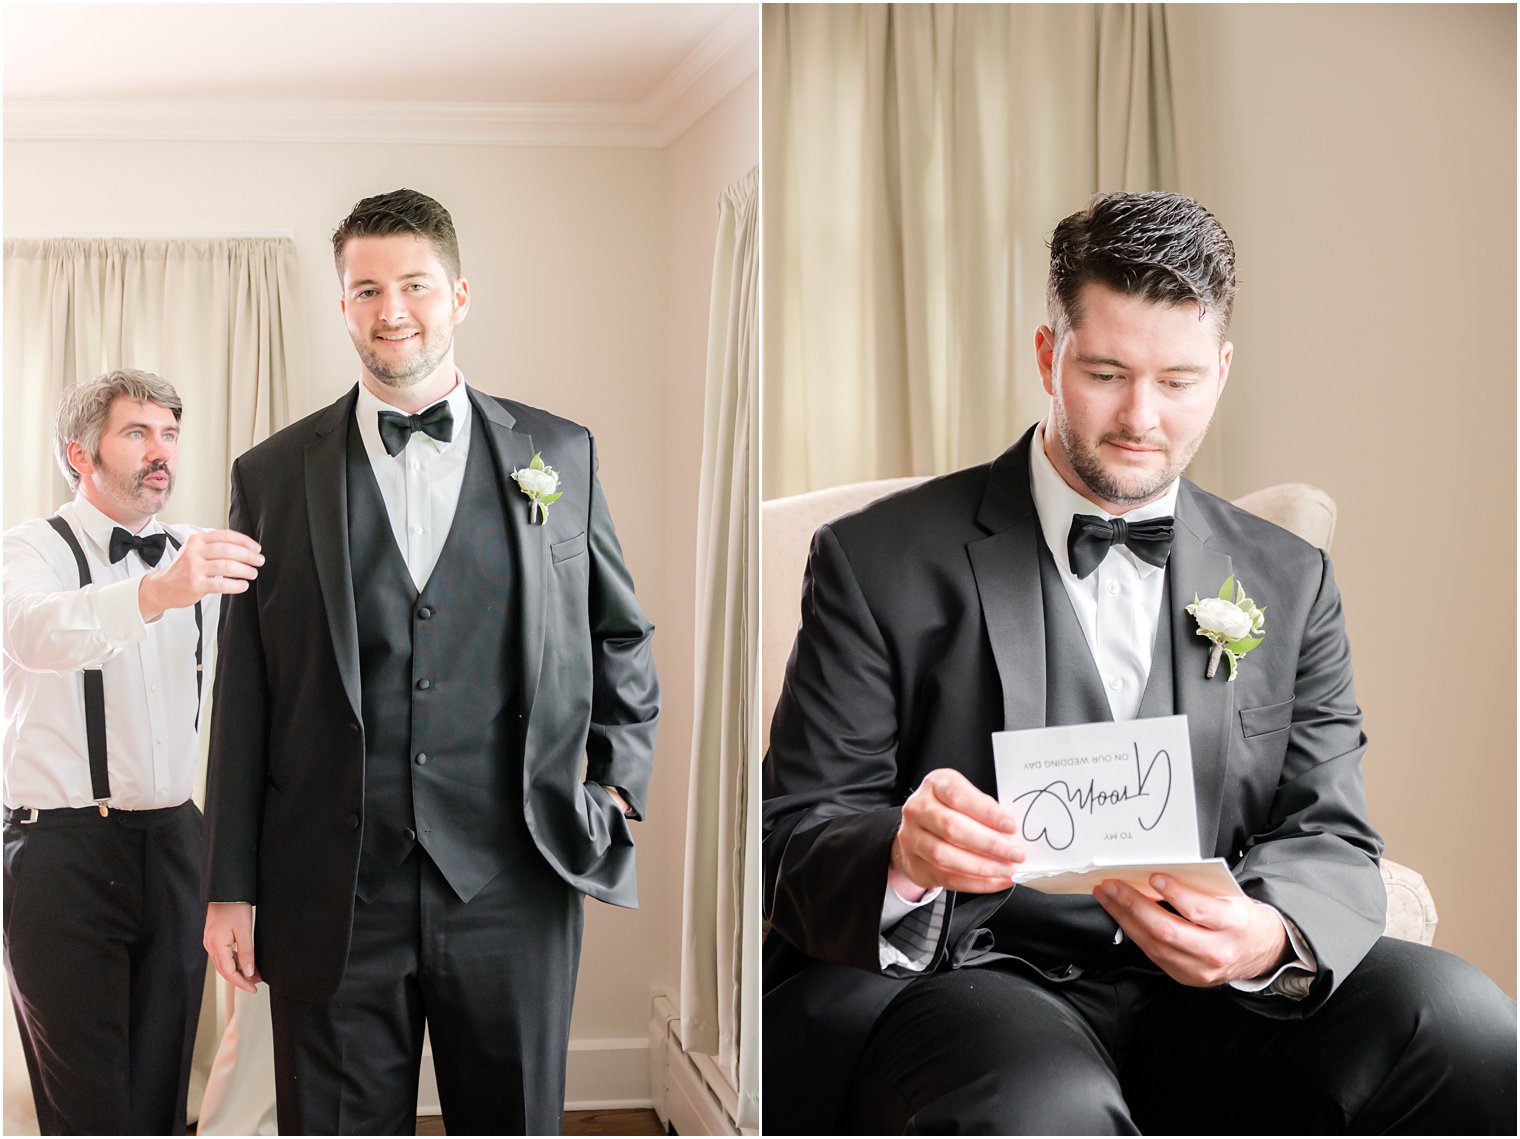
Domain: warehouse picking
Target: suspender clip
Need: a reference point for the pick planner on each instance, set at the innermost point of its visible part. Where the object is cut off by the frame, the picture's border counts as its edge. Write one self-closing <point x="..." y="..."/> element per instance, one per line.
<point x="104" y="810"/>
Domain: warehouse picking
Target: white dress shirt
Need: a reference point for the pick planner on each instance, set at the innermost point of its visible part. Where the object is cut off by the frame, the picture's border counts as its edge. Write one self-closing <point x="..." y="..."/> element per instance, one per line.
<point x="1119" y="603"/>
<point x="54" y="630"/>
<point x="420" y="484"/>
<point x="1118" y="606"/>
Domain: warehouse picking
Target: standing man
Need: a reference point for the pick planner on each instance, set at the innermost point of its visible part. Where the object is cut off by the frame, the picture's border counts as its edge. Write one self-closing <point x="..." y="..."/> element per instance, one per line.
<point x="103" y="654"/>
<point x="412" y="693"/>
<point x="909" y="989"/>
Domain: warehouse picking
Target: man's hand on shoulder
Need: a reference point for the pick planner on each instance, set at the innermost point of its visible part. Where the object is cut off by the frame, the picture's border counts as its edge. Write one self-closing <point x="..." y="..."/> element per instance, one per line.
<point x="956" y="836"/>
<point x="216" y="561"/>
<point x="1208" y="942"/>
<point x="229" y="941"/>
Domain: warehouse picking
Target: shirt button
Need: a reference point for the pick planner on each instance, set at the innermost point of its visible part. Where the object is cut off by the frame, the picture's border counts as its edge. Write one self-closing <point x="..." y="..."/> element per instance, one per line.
<point x="416" y="529"/>
<point x="424" y="684"/>
<point x="422" y="758"/>
<point x="159" y="740"/>
<point x="1116" y="684"/>
<point x="1113" y="587"/>
<point x="152" y="688"/>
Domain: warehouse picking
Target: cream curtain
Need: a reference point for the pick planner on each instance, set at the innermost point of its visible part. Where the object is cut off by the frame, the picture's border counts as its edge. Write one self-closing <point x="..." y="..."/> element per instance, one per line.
<point x="916" y="159"/>
<point x="720" y="935"/>
<point x="214" y="317"/>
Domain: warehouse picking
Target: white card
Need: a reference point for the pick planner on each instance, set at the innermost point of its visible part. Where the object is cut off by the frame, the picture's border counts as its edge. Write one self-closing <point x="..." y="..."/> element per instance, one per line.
<point x="1100" y="794"/>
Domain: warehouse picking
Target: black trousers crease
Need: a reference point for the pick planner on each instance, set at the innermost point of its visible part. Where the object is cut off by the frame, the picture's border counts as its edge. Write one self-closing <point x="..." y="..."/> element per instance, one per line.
<point x="492" y="980"/>
<point x="103" y="924"/>
<point x="1415" y="1041"/>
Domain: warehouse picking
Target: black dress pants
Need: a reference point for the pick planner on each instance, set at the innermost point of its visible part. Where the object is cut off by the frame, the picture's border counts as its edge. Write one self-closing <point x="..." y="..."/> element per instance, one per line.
<point x="1415" y="1041"/>
<point x="493" y="980"/>
<point x="103" y="923"/>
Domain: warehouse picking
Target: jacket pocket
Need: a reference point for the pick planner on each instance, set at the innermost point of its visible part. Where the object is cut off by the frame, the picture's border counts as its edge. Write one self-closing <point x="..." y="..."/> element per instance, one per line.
<point x="569" y="548"/>
<point x="1267" y="718"/>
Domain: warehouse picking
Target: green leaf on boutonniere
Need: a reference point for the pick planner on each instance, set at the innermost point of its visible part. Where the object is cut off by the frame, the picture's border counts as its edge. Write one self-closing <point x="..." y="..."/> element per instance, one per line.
<point x="1232" y="623"/>
<point x="540" y="482"/>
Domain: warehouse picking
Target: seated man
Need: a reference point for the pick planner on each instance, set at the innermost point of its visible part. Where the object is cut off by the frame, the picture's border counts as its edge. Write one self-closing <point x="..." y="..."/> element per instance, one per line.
<point x="908" y="988"/>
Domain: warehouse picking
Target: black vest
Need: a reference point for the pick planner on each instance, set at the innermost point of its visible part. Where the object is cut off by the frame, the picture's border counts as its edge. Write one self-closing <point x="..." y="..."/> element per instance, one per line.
<point x="438" y="678"/>
<point x="1066" y="935"/>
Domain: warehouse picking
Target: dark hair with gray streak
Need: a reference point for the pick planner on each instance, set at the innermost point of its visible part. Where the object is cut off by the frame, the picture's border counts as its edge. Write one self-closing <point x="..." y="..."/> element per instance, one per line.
<point x="1162" y="247"/>
<point x="403" y="212"/>
<point x="86" y="407"/>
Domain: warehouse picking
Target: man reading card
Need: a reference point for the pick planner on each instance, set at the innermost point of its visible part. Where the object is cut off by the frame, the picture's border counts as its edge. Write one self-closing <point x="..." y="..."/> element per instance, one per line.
<point x="909" y="988"/>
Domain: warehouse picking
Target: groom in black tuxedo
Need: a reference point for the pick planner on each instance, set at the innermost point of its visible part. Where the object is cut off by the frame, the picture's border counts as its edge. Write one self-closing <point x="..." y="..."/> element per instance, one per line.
<point x="908" y="988"/>
<point x="444" y="641"/>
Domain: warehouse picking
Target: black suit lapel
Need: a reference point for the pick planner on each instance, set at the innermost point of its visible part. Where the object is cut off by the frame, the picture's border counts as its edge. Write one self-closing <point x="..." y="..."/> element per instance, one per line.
<point x="512" y="449"/>
<point x="1195" y="567"/>
<point x="327" y="514"/>
<point x="1007" y="571"/>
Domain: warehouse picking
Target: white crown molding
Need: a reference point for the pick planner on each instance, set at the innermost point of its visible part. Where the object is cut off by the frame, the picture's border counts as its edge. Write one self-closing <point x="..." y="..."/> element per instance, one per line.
<point x="717" y="65"/>
<point x="708" y="73"/>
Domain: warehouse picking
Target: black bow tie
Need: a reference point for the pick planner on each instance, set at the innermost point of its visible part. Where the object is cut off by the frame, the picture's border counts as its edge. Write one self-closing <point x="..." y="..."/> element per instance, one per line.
<point x="149" y="549"/>
<point x="396" y="429"/>
<point x="1090" y="537"/>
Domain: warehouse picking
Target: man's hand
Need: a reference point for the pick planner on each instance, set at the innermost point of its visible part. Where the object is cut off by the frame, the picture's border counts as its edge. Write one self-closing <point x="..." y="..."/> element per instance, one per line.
<point x="955" y="836"/>
<point x="1209" y="941"/>
<point x="229" y="941"/>
<point x="218" y="561"/>
<point x="617" y="797"/>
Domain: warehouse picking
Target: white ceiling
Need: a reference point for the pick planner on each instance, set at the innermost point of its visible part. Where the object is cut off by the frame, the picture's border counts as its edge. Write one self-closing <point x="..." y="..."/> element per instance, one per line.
<point x="601" y="74"/>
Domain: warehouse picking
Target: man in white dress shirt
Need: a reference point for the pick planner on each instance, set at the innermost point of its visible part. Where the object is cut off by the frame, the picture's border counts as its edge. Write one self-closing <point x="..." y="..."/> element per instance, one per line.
<point x="436" y="716"/>
<point x="910" y="988"/>
<point x="103" y="648"/>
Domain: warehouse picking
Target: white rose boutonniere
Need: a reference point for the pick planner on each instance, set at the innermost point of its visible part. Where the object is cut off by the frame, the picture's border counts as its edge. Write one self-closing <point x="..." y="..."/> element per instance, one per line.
<point x="1233" y="627"/>
<point x="540" y="484"/>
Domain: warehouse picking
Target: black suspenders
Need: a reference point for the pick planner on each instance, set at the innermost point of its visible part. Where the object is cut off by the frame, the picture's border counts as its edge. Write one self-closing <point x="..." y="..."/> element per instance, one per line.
<point x="94" y="682"/>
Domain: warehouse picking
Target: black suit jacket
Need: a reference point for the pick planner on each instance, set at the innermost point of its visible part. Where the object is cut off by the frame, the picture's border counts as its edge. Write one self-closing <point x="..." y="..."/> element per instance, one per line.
<point x="922" y="633"/>
<point x="285" y="786"/>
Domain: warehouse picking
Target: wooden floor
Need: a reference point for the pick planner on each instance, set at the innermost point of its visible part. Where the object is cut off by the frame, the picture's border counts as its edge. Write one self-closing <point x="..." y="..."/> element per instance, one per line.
<point x="621" y="1121"/>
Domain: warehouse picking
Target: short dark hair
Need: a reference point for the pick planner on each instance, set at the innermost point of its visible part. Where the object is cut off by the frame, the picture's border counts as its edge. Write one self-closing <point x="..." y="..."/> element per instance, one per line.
<point x="86" y="408"/>
<point x="1159" y="246"/>
<point x="400" y="212"/>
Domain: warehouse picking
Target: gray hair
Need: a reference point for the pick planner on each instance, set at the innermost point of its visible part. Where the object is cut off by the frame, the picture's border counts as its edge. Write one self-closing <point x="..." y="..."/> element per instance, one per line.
<point x="86" y="407"/>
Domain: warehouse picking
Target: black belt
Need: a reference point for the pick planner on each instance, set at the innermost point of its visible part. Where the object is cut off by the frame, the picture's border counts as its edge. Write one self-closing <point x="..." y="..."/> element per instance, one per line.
<point x="95" y="690"/>
<point x="81" y="816"/>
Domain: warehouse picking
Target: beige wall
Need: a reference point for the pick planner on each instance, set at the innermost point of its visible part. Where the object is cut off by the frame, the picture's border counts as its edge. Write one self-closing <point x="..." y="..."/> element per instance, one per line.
<point x="589" y="271"/>
<point x="1363" y="160"/>
<point x="701" y="164"/>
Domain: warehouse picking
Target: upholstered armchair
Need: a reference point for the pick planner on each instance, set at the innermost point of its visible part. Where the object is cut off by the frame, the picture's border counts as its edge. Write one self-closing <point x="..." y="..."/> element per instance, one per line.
<point x="787" y="527"/>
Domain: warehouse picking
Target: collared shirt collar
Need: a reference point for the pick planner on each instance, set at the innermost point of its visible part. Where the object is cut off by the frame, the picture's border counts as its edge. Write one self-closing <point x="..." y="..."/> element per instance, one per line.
<point x="367" y="413"/>
<point x="97" y="525"/>
<point x="1056" y="503"/>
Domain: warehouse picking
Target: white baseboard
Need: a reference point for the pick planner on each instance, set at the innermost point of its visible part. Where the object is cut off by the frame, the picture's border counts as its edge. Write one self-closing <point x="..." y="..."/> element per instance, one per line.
<point x="600" y="1074"/>
<point x="607" y="1074"/>
<point x="685" y="1089"/>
